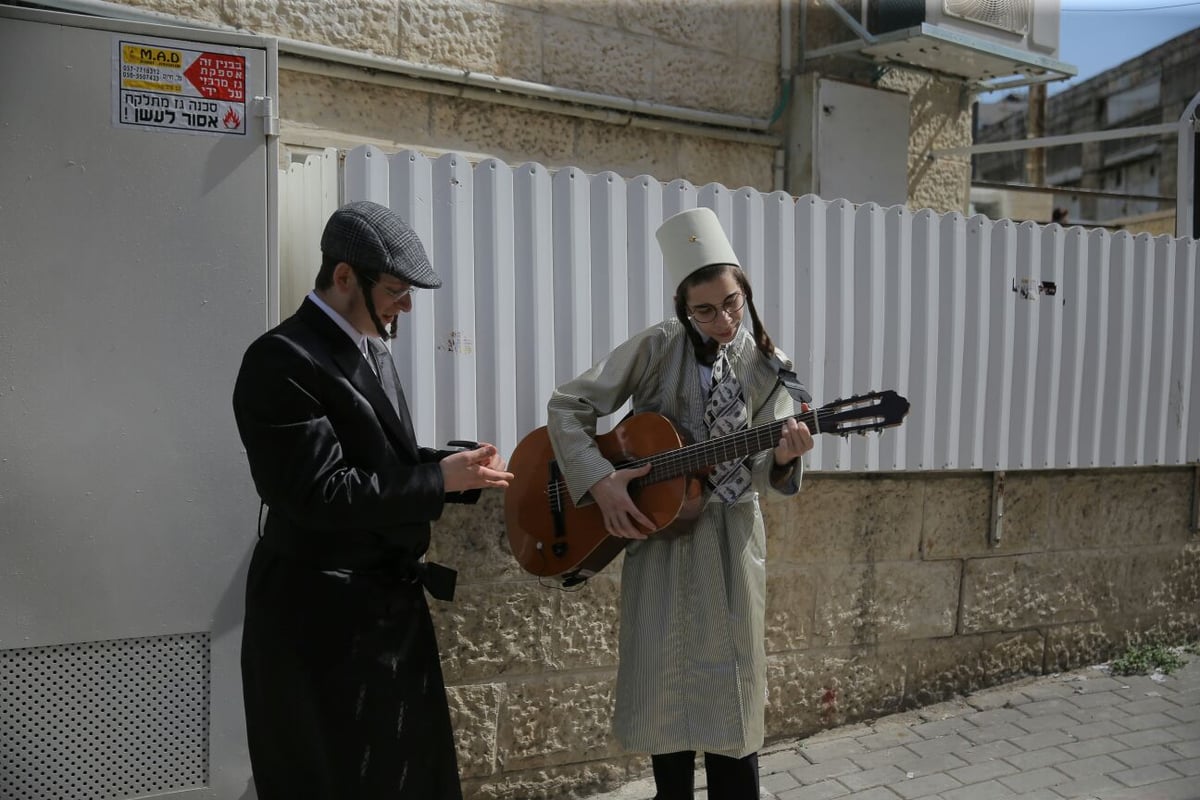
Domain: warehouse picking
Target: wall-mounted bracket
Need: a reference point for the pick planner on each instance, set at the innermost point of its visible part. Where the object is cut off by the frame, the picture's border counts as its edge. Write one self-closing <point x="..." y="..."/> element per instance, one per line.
<point x="1196" y="500"/>
<point x="997" y="525"/>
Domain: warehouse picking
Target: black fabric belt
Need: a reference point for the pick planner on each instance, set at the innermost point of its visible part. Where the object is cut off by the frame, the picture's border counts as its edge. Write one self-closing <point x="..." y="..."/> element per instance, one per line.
<point x="436" y="579"/>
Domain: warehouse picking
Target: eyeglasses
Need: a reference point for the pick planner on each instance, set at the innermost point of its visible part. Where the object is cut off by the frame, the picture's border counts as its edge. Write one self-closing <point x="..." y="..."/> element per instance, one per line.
<point x="707" y="313"/>
<point x="396" y="295"/>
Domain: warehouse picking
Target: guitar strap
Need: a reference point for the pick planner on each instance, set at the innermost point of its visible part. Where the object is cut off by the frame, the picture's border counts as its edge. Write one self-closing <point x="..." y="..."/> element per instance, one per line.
<point x="789" y="380"/>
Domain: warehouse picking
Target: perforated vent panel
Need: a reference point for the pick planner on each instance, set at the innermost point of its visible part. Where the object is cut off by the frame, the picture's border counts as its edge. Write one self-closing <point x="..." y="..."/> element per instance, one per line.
<point x="1009" y="15"/>
<point x="101" y="720"/>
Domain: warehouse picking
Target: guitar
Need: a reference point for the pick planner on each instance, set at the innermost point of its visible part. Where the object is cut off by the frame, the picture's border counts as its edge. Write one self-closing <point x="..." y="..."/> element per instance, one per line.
<point x="550" y="536"/>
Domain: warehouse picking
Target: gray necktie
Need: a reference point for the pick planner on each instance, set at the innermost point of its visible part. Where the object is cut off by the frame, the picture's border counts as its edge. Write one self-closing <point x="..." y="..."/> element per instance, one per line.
<point x="385" y="370"/>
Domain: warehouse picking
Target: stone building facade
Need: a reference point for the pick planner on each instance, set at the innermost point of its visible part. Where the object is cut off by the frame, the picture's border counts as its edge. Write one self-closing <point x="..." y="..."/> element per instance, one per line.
<point x="1152" y="89"/>
<point x="884" y="592"/>
<point x="666" y="88"/>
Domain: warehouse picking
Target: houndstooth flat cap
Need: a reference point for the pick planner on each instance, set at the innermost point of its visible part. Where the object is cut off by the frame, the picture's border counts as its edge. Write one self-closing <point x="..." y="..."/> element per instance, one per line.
<point x="373" y="238"/>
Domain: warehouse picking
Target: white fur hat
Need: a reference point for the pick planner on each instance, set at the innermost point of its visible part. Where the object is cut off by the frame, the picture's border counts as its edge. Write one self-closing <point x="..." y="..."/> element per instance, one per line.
<point x="690" y="240"/>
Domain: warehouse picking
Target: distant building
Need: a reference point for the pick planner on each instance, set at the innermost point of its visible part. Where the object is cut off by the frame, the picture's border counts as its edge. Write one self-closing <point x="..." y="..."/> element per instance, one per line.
<point x="1151" y="89"/>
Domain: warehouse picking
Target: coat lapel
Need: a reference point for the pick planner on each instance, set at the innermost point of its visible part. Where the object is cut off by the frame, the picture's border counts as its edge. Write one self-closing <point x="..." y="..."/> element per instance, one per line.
<point x="350" y="362"/>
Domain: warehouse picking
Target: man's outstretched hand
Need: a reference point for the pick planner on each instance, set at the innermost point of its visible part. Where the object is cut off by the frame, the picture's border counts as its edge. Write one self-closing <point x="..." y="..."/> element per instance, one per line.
<point x="481" y="468"/>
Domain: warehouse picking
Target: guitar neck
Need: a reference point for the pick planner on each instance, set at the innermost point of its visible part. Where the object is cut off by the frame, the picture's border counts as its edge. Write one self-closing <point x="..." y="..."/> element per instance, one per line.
<point x="737" y="445"/>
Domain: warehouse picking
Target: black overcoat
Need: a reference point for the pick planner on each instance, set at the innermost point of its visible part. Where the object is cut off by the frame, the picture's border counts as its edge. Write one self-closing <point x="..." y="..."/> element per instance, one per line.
<point x="343" y="687"/>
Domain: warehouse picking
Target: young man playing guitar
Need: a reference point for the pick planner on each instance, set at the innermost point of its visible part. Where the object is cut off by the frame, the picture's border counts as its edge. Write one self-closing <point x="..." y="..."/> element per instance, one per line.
<point x="692" y="673"/>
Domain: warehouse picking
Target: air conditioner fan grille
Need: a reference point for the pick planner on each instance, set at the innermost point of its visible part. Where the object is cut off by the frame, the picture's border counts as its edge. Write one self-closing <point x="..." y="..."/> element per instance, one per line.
<point x="1009" y="15"/>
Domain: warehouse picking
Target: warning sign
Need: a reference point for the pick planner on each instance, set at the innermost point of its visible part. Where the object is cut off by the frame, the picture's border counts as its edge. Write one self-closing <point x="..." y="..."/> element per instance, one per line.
<point x="159" y="84"/>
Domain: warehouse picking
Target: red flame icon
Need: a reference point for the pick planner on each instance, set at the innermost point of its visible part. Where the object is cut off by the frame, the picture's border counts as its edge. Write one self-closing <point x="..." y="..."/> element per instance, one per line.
<point x="232" y="120"/>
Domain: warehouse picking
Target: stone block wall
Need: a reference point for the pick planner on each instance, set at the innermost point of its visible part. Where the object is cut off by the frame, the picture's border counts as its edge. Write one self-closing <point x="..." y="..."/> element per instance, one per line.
<point x="884" y="592"/>
<point x="720" y="57"/>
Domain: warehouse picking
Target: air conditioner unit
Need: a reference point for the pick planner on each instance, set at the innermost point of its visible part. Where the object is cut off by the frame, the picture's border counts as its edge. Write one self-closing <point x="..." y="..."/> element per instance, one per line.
<point x="1021" y="24"/>
<point x="994" y="44"/>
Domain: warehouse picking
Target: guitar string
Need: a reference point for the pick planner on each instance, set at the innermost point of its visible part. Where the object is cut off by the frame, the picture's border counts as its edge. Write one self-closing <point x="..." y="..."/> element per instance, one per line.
<point x="685" y="456"/>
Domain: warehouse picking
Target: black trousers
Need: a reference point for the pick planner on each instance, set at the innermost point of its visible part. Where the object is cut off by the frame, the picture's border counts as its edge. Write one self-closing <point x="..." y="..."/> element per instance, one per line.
<point x="728" y="778"/>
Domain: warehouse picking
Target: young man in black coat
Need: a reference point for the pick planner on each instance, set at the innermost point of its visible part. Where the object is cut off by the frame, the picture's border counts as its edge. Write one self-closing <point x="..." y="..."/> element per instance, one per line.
<point x="342" y="682"/>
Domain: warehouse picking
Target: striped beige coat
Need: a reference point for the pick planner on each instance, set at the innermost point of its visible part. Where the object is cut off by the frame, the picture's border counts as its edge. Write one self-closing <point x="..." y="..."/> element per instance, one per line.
<point x="692" y="673"/>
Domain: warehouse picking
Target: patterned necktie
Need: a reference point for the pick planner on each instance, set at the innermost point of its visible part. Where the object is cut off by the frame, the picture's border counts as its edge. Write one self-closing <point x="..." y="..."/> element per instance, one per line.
<point x="726" y="413"/>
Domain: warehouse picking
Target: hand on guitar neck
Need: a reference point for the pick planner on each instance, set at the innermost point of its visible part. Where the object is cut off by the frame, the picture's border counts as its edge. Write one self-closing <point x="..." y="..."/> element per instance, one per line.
<point x="794" y="441"/>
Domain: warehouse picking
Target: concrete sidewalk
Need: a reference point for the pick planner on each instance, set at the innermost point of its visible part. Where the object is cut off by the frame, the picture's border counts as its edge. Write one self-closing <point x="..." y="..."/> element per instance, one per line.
<point x="1083" y="734"/>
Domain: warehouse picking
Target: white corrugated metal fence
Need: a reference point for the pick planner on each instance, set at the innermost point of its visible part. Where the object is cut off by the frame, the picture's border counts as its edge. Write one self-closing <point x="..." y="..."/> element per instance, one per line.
<point x="1019" y="346"/>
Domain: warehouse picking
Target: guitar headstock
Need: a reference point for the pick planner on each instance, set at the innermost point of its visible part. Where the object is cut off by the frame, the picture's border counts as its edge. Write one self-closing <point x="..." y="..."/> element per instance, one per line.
<point x="862" y="413"/>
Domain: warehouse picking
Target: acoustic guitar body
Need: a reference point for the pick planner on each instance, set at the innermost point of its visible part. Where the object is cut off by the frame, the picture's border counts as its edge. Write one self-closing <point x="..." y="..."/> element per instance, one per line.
<point x="549" y="535"/>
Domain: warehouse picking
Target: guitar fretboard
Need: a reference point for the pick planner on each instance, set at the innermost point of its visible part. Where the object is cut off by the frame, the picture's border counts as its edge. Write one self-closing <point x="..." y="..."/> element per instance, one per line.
<point x="702" y="455"/>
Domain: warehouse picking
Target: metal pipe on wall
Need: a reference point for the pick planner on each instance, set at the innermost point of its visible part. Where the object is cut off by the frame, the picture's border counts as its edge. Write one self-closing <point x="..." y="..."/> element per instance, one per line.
<point x="489" y="88"/>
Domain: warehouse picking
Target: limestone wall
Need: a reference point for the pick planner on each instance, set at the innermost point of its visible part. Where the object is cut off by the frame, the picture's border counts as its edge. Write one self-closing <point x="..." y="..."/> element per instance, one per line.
<point x="721" y="57"/>
<point x="883" y="593"/>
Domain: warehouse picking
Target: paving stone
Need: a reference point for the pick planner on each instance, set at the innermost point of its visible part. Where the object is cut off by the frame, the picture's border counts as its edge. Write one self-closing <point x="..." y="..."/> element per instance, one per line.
<point x="1039" y="758"/>
<point x="779" y="782"/>
<point x="1039" y="708"/>
<point x="1089" y="787"/>
<point x="1045" y="722"/>
<point x="932" y="730"/>
<point x="924" y="786"/>
<point x="1105" y="684"/>
<point x="978" y="773"/>
<point x="926" y="766"/>
<point x="990" y="790"/>
<point x="781" y="761"/>
<point x="995" y="716"/>
<point x="825" y="790"/>
<point x="1093" y="747"/>
<point x="1142" y="738"/>
<point x="1144" y="756"/>
<point x="883" y="758"/>
<point x="1179" y="789"/>
<point x="988" y="752"/>
<point x="1186" y="766"/>
<point x="876" y="793"/>
<point x="1155" y="773"/>
<point x="994" y="733"/>
<point x="1188" y="731"/>
<point x="1149" y="705"/>
<point x="829" y="751"/>
<point x="1190" y="713"/>
<point x="880" y="776"/>
<point x="1086" y="767"/>
<point x="888" y="738"/>
<point x="1091" y="730"/>
<point x="1094" y="700"/>
<point x="1098" y="714"/>
<point x="1142" y="722"/>
<point x="1189" y="749"/>
<point x="1037" y="779"/>
<point x="942" y="744"/>
<point x="814" y="773"/>
<point x="1036" y="741"/>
